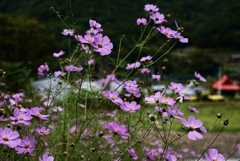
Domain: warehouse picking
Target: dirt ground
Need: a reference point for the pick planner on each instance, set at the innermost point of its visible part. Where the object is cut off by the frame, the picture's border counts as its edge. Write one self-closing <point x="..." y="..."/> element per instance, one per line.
<point x="226" y="143"/>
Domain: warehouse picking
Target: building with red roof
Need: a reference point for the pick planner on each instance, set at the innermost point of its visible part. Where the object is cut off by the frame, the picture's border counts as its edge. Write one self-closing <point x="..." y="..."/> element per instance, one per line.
<point x="226" y="86"/>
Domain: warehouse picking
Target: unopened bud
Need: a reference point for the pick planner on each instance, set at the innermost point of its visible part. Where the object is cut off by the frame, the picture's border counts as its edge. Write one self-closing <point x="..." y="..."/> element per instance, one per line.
<point x="101" y="133"/>
<point x="93" y="149"/>
<point x="152" y="117"/>
<point x="219" y="115"/>
<point x="226" y="122"/>
<point x="72" y="144"/>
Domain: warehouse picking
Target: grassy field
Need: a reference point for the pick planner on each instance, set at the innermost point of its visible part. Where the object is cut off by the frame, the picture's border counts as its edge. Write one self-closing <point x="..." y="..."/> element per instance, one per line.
<point x="208" y="111"/>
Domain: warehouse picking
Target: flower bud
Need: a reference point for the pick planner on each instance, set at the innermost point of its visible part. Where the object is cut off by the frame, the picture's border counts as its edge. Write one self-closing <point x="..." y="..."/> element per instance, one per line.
<point x="152" y="117"/>
<point x="226" y="122"/>
<point x="72" y="144"/>
<point x="101" y="133"/>
<point x="219" y="115"/>
<point x="93" y="149"/>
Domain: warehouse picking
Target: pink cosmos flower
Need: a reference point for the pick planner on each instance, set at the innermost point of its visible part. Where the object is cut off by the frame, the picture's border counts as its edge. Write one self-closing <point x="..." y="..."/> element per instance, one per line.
<point x="56" y="55"/>
<point x="46" y="157"/>
<point x="95" y="27"/>
<point x="59" y="74"/>
<point x="133" y="65"/>
<point x="35" y="111"/>
<point x="132" y="154"/>
<point x="43" y="69"/>
<point x="156" y="77"/>
<point x="161" y="111"/>
<point x="150" y="8"/>
<point x="181" y="38"/>
<point x="72" y="68"/>
<point x="27" y="145"/>
<point x="20" y="117"/>
<point x="168" y="101"/>
<point x="86" y="49"/>
<point x="182" y="97"/>
<point x="167" y="32"/>
<point x="132" y="88"/>
<point x="141" y="21"/>
<point x="69" y="32"/>
<point x="145" y="71"/>
<point x="146" y="58"/>
<point x="42" y="130"/>
<point x="102" y="45"/>
<point x="130" y="106"/>
<point x="86" y="39"/>
<point x="214" y="155"/>
<point x="192" y="109"/>
<point x="169" y="156"/>
<point x="154" y="98"/>
<point x="198" y="75"/>
<point x="91" y="61"/>
<point x="158" y="18"/>
<point x="9" y="137"/>
<point x="176" y="87"/>
<point x="117" y="129"/>
<point x="113" y="96"/>
<point x="192" y="124"/>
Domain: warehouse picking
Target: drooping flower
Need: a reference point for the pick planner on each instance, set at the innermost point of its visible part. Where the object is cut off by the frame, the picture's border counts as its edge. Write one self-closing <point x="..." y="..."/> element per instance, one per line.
<point x="60" y="53"/>
<point x="72" y="68"/>
<point x="132" y="154"/>
<point x="198" y="75"/>
<point x="130" y="106"/>
<point x="69" y="32"/>
<point x="102" y="45"/>
<point x="43" y="70"/>
<point x="133" y="66"/>
<point x="117" y="129"/>
<point x="213" y="155"/>
<point x="9" y="137"/>
<point x="46" y="157"/>
<point x="182" y="97"/>
<point x="141" y="21"/>
<point x="20" y="117"/>
<point x="35" y="111"/>
<point x="27" y="145"/>
<point x="192" y="124"/>
<point x="42" y="130"/>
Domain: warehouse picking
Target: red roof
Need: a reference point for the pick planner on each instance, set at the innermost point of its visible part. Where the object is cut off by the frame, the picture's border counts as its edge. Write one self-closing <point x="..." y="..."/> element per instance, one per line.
<point x="225" y="83"/>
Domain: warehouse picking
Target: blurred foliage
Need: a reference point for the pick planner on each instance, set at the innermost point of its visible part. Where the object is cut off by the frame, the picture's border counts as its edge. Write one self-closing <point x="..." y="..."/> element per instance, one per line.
<point x="16" y="77"/>
<point x="35" y="35"/>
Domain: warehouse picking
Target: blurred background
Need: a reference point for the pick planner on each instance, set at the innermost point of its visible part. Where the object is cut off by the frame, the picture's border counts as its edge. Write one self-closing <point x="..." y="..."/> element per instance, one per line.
<point x="30" y="32"/>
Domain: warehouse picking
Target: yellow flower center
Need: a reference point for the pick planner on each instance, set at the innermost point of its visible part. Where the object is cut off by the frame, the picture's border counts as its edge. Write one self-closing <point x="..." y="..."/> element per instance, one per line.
<point x="38" y="113"/>
<point x="21" y="118"/>
<point x="5" y="138"/>
<point x="26" y="146"/>
<point x="100" y="45"/>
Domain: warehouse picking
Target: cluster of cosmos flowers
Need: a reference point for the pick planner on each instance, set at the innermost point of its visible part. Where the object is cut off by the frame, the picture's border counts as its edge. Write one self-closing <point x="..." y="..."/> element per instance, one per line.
<point x="163" y="105"/>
